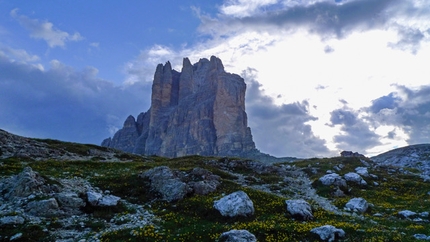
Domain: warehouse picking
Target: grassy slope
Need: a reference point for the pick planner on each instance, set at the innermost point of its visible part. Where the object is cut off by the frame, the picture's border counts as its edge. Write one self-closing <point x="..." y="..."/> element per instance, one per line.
<point x="194" y="219"/>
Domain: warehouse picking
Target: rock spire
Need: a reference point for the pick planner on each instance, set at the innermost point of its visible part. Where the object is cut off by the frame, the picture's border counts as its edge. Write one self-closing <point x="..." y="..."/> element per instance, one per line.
<point x="198" y="111"/>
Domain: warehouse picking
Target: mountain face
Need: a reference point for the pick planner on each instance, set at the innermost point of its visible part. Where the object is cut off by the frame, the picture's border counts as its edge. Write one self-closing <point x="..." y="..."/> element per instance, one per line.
<point x="198" y="111"/>
<point x="414" y="156"/>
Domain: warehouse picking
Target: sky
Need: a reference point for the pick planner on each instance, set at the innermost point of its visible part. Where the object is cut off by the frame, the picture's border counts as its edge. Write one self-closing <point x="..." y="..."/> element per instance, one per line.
<point x="322" y="76"/>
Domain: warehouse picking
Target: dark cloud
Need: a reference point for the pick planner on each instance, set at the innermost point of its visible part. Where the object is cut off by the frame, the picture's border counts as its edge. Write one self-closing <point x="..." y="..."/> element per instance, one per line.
<point x="356" y="133"/>
<point x="330" y="19"/>
<point x="410" y="39"/>
<point x="406" y="108"/>
<point x="328" y="49"/>
<point x="63" y="103"/>
<point x="386" y="102"/>
<point x="280" y="130"/>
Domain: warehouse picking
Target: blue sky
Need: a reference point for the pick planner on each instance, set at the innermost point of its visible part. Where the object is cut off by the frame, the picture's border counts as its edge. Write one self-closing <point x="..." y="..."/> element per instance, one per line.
<point x="322" y="76"/>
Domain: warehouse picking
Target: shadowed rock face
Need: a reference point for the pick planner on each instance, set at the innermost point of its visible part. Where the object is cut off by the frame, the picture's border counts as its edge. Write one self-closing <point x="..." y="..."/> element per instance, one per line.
<point x="198" y="111"/>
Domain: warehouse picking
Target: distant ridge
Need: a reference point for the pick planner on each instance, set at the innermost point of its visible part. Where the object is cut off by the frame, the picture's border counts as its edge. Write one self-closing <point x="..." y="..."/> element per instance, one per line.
<point x="414" y="156"/>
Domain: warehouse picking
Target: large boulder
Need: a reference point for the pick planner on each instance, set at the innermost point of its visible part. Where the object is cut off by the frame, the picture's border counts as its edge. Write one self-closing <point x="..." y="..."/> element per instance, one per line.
<point x="235" y="204"/>
<point x="25" y="183"/>
<point x="45" y="208"/>
<point x="355" y="178"/>
<point x="333" y="179"/>
<point x="237" y="236"/>
<point x="11" y="220"/>
<point x="299" y="209"/>
<point x="358" y="205"/>
<point x="362" y="171"/>
<point x="163" y="181"/>
<point x="328" y="233"/>
<point x="203" y="181"/>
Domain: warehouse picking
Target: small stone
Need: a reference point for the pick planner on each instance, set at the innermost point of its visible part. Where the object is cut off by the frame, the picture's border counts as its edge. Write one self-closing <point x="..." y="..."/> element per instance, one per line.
<point x="421" y="237"/>
<point x="328" y="233"/>
<point x="237" y="236"/>
<point x="407" y="214"/>
<point x="16" y="236"/>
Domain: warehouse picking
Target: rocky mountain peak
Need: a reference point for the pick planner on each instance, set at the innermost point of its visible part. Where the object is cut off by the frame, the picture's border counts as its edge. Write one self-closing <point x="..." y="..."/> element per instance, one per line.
<point x="200" y="110"/>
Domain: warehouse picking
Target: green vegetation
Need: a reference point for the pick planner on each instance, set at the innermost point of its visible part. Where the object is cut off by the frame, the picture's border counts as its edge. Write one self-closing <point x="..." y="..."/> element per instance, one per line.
<point x="195" y="219"/>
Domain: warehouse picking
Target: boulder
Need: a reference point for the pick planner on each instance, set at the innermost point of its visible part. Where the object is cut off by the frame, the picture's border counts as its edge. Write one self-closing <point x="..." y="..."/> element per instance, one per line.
<point x="328" y="233"/>
<point x="44" y="208"/>
<point x="204" y="187"/>
<point x="203" y="181"/>
<point x="235" y="204"/>
<point x="299" y="209"/>
<point x="407" y="214"/>
<point x="355" y="178"/>
<point x="25" y="183"/>
<point x="98" y="199"/>
<point x="362" y="171"/>
<point x="163" y="181"/>
<point x="421" y="237"/>
<point x="333" y="179"/>
<point x="109" y="200"/>
<point x="69" y="200"/>
<point x="11" y="220"/>
<point x="94" y="197"/>
<point x="358" y="205"/>
<point x="237" y="236"/>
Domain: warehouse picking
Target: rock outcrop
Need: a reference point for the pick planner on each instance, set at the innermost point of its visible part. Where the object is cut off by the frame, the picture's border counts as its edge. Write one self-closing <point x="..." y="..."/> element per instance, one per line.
<point x="198" y="111"/>
<point x="300" y="209"/>
<point x="235" y="204"/>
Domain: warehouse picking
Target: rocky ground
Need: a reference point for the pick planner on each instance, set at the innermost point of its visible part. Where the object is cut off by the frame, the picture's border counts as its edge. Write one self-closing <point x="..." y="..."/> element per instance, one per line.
<point x="56" y="191"/>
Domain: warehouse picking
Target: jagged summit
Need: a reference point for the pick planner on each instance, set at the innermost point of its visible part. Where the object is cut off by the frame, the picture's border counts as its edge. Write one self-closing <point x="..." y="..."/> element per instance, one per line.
<point x="198" y="111"/>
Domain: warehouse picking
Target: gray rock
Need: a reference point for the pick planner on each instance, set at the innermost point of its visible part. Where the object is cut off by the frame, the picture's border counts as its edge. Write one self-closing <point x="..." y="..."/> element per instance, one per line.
<point x="98" y="199"/>
<point x="421" y="237"/>
<point x="359" y="205"/>
<point x="424" y="214"/>
<point x="11" y="220"/>
<point x="299" y="209"/>
<point x="237" y="236"/>
<point x="235" y="204"/>
<point x="24" y="184"/>
<point x="362" y="171"/>
<point x="163" y="181"/>
<point x="188" y="114"/>
<point x="15" y="237"/>
<point x="328" y="233"/>
<point x="355" y="178"/>
<point x="333" y="179"/>
<point x="407" y="214"/>
<point x="69" y="200"/>
<point x="109" y="200"/>
<point x="94" y="197"/>
<point x="44" y="208"/>
<point x="203" y="181"/>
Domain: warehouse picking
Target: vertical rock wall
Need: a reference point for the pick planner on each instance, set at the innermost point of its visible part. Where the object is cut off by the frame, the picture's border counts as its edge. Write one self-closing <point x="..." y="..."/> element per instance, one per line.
<point x="198" y="111"/>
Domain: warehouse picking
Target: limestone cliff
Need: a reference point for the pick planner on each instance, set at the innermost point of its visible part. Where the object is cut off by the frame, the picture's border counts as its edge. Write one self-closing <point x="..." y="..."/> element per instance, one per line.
<point x="198" y="111"/>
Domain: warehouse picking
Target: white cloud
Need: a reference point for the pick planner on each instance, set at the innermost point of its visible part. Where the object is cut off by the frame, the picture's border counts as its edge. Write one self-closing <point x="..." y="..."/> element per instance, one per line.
<point x="244" y="8"/>
<point x="19" y="55"/>
<point x="42" y="29"/>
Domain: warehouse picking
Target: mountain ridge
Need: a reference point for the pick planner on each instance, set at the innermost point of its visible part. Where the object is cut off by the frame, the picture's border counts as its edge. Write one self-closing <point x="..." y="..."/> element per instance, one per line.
<point x="198" y="111"/>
